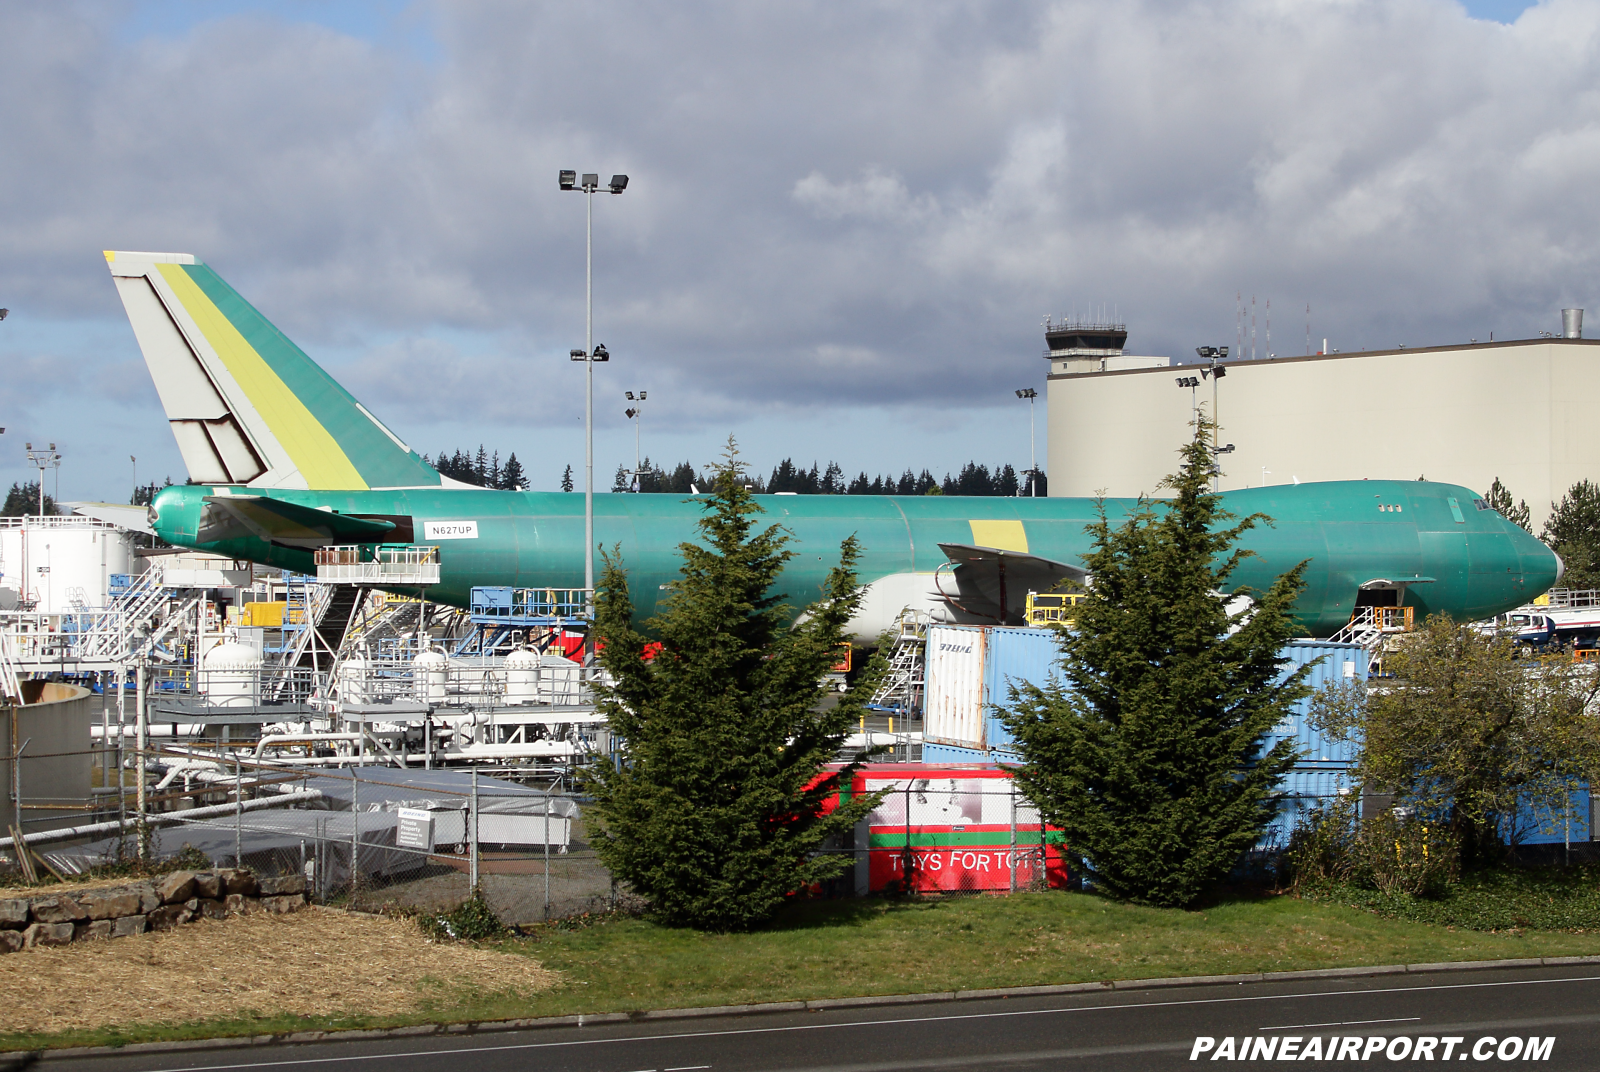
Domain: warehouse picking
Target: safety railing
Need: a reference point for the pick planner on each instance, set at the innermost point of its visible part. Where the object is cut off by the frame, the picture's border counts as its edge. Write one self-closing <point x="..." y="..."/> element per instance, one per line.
<point x="386" y="564"/>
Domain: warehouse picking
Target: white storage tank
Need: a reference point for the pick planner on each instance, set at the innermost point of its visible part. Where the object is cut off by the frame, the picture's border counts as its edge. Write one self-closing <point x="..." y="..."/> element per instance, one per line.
<point x="561" y="678"/>
<point x="522" y="677"/>
<point x="430" y="674"/>
<point x="232" y="675"/>
<point x="353" y="681"/>
<point x="60" y="561"/>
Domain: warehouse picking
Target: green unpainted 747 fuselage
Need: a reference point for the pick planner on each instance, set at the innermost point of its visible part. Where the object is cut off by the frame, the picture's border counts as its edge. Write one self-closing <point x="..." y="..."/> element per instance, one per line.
<point x="1432" y="544"/>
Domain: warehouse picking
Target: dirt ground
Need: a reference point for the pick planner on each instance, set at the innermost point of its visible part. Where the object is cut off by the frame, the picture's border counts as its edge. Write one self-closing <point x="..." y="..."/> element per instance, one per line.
<point x="316" y="961"/>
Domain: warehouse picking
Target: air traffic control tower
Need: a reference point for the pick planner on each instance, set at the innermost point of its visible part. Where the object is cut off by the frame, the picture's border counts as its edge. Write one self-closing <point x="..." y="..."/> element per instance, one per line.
<point x="1078" y="346"/>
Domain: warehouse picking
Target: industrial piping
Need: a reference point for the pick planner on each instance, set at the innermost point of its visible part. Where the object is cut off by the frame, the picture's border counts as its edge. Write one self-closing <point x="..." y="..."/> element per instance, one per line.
<point x="162" y="818"/>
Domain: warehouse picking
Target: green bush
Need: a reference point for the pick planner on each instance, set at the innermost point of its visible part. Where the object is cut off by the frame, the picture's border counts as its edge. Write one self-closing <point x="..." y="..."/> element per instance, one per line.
<point x="1392" y="853"/>
<point x="470" y="921"/>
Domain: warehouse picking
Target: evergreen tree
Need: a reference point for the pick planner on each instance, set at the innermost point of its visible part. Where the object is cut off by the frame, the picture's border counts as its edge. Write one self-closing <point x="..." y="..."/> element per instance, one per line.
<point x="714" y="813"/>
<point x="480" y="468"/>
<point x="623" y="481"/>
<point x="512" y="478"/>
<point x="862" y="486"/>
<point x="23" y="501"/>
<point x="1151" y="757"/>
<point x="566" y="479"/>
<point x="1573" y="532"/>
<point x="1499" y="499"/>
<point x="494" y="471"/>
<point x="1005" y="481"/>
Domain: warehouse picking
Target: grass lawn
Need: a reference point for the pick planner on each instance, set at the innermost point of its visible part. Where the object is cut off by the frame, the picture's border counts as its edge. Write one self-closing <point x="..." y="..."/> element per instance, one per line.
<point x="833" y="949"/>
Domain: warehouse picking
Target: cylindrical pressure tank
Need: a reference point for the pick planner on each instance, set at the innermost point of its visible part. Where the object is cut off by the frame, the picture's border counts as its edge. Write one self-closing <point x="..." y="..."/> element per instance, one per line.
<point x="1572" y="323"/>
<point x="430" y="672"/>
<point x="353" y="680"/>
<point x="522" y="677"/>
<point x="232" y="675"/>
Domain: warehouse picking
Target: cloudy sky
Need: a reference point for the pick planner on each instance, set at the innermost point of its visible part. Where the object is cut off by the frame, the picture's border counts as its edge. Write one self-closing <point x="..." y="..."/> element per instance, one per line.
<point x="845" y="223"/>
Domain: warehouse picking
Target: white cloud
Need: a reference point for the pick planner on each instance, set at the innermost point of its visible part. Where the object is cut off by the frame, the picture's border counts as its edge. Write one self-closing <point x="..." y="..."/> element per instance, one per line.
<point x="830" y="203"/>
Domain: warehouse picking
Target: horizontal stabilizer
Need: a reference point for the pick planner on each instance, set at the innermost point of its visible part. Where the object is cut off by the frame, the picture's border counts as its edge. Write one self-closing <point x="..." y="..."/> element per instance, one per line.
<point x="133" y="518"/>
<point x="228" y="517"/>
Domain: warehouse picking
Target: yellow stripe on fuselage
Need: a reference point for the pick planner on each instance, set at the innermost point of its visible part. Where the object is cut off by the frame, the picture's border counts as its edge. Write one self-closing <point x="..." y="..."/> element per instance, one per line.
<point x="313" y="450"/>
<point x="1001" y="535"/>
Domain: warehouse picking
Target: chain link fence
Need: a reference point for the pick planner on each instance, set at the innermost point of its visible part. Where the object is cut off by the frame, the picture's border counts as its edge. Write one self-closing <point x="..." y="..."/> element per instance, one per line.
<point x="422" y="839"/>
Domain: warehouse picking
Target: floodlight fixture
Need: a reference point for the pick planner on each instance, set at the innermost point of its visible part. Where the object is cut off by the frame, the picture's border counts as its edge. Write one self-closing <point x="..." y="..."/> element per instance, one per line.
<point x="1206" y="351"/>
<point x="578" y="355"/>
<point x="643" y="395"/>
<point x="619" y="183"/>
<point x="601" y="353"/>
<point x="569" y="180"/>
<point x="632" y="413"/>
<point x="1028" y="392"/>
<point x="591" y="181"/>
<point x="630" y="399"/>
<point x="1222" y="351"/>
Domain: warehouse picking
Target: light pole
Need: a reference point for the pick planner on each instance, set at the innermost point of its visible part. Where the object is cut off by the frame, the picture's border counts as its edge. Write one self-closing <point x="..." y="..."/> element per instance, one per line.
<point x="589" y="355"/>
<point x="1033" y="456"/>
<point x="636" y="415"/>
<point x="1215" y="372"/>
<point x="42" y="460"/>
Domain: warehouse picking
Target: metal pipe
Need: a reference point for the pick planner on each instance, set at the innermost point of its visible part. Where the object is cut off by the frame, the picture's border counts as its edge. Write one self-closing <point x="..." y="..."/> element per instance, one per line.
<point x="141" y="742"/>
<point x="589" y="397"/>
<point x="71" y="833"/>
<point x="472" y="834"/>
<point x="355" y="830"/>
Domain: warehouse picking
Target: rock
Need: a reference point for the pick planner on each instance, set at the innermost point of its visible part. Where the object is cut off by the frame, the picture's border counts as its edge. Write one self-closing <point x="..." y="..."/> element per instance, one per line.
<point x="211" y="908"/>
<point x="47" y="934"/>
<point x="13" y="912"/>
<point x="208" y="885"/>
<point x="287" y="903"/>
<point x="110" y="904"/>
<point x="167" y="917"/>
<point x="58" y="910"/>
<point x="149" y="899"/>
<point x="94" y="930"/>
<point x="237" y="904"/>
<point x="10" y="941"/>
<point x="238" y="880"/>
<point x="127" y="926"/>
<point x="278" y="885"/>
<point x="176" y="887"/>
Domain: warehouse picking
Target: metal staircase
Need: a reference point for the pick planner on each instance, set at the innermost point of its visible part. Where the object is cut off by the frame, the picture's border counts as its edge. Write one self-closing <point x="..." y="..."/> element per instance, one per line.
<point x="1370" y="627"/>
<point x="902" y="686"/>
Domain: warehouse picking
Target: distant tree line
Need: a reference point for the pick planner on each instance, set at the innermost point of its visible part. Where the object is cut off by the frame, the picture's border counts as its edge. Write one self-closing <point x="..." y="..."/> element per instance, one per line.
<point x="482" y="468"/>
<point x="790" y="478"/>
<point x="23" y="501"/>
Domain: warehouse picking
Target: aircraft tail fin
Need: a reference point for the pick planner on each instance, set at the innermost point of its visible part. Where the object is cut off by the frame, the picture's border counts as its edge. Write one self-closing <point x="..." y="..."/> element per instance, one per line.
<point x="246" y="405"/>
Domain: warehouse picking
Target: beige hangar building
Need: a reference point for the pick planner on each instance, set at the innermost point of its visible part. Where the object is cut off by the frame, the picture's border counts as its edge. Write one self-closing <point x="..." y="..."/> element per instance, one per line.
<point x="1525" y="411"/>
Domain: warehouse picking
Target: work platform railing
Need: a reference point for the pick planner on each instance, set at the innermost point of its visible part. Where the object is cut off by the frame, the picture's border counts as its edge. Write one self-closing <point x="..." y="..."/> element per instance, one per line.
<point x="402" y="565"/>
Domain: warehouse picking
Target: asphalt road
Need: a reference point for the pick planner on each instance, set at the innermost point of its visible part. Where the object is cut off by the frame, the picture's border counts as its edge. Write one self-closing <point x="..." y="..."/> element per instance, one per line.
<point x="1110" y="1030"/>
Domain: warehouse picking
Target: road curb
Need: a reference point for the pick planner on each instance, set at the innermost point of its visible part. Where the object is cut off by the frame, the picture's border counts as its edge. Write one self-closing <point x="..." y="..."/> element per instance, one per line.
<point x="813" y="1005"/>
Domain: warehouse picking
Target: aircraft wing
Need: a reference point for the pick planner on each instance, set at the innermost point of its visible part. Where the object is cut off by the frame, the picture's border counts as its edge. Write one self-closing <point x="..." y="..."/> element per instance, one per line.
<point x="136" y="518"/>
<point x="986" y="577"/>
<point x="285" y="524"/>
